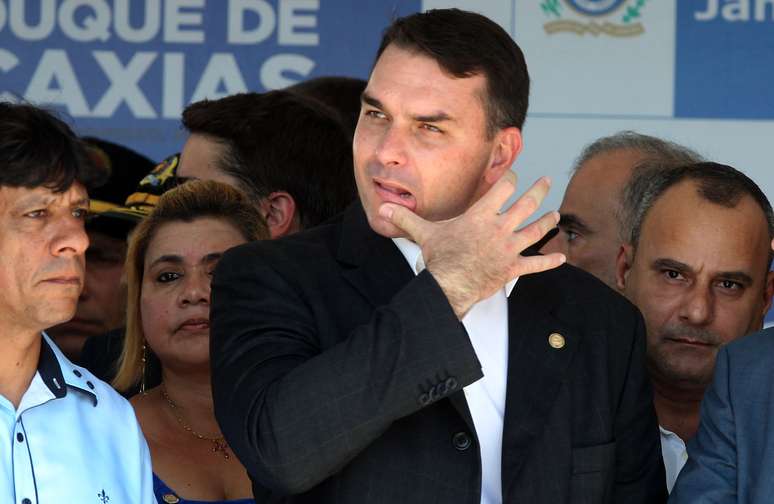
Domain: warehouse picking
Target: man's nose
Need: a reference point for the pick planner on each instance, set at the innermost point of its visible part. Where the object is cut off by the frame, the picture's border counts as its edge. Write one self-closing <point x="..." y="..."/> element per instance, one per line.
<point x="698" y="305"/>
<point x="391" y="150"/>
<point x="70" y="237"/>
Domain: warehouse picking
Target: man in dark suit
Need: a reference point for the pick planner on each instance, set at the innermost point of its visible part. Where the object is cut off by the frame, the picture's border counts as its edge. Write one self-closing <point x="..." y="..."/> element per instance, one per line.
<point x="381" y="357"/>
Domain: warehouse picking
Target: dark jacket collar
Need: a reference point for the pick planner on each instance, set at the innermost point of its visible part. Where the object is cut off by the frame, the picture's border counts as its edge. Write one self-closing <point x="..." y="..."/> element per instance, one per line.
<point x="372" y="263"/>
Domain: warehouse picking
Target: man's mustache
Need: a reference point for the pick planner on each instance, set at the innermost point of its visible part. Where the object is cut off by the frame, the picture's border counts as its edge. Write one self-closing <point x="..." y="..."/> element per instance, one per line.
<point x="695" y="334"/>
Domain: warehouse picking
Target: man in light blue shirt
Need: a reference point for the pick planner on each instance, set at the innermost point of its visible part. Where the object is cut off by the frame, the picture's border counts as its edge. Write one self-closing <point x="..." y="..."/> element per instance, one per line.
<point x="64" y="435"/>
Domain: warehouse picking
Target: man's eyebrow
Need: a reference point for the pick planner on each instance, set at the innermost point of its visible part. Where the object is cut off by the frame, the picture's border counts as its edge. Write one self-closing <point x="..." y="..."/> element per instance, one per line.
<point x="671" y="264"/>
<point x="568" y="220"/>
<point x="433" y="118"/>
<point x="429" y="118"/>
<point x="35" y="199"/>
<point x="736" y="276"/>
<point x="370" y="100"/>
<point x="47" y="199"/>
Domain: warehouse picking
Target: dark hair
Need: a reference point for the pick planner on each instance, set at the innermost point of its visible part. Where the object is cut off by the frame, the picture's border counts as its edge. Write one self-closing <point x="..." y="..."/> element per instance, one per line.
<point x="717" y="183"/>
<point x="342" y="94"/>
<point x="39" y="149"/>
<point x="281" y="141"/>
<point x="466" y="44"/>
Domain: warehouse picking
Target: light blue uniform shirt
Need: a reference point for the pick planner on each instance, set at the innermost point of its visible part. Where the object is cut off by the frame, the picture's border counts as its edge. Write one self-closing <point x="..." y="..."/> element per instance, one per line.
<point x="72" y="440"/>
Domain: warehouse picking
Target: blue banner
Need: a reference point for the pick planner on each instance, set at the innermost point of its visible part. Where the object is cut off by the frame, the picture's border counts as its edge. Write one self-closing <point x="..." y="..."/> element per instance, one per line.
<point x="124" y="70"/>
<point x="723" y="64"/>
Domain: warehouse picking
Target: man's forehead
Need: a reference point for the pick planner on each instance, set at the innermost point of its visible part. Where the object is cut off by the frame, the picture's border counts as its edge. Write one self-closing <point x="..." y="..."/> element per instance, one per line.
<point x="686" y="227"/>
<point x="11" y="196"/>
<point x="419" y="76"/>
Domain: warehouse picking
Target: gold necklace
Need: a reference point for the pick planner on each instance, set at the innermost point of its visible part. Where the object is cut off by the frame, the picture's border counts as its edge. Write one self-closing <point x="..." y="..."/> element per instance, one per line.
<point x="219" y="444"/>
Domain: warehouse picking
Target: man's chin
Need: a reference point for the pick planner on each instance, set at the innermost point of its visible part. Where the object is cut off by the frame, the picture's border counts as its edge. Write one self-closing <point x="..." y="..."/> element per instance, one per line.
<point x="684" y="373"/>
<point x="385" y="228"/>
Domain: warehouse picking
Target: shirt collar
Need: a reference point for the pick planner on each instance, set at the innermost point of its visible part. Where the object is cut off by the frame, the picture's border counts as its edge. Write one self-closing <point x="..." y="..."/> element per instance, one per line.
<point x="668" y="433"/>
<point x="56" y="371"/>
<point x="413" y="255"/>
<point x="50" y="371"/>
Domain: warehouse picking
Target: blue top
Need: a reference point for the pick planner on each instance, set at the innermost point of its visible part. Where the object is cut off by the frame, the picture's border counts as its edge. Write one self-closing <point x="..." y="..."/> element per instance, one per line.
<point x="72" y="439"/>
<point x="165" y="495"/>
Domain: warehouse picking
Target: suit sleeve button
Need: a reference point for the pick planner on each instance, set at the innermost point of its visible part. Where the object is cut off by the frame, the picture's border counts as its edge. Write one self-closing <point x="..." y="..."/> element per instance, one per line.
<point x="461" y="441"/>
<point x="451" y="383"/>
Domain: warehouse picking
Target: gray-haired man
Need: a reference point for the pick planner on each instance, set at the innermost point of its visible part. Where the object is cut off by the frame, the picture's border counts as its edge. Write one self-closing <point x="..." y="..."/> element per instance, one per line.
<point x="590" y="233"/>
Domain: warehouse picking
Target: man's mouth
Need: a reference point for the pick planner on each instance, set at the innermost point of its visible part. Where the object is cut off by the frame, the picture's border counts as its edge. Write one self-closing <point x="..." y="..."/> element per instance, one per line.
<point x="394" y="193"/>
<point x="691" y="341"/>
<point x="73" y="280"/>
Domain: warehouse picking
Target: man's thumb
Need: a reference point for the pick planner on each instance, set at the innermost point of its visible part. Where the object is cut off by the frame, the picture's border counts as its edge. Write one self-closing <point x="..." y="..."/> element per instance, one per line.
<point x="401" y="217"/>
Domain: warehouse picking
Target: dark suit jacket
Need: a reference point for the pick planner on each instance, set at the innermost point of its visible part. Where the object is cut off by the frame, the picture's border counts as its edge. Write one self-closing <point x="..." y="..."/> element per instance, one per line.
<point x="338" y="376"/>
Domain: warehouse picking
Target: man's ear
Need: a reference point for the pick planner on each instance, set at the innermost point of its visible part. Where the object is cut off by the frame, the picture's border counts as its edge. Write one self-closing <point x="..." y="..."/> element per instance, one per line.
<point x="507" y="146"/>
<point x="279" y="210"/>
<point x="623" y="265"/>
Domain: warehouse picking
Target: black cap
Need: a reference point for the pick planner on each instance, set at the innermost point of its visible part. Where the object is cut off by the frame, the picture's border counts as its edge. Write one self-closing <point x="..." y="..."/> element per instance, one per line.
<point x="141" y="202"/>
<point x="124" y="169"/>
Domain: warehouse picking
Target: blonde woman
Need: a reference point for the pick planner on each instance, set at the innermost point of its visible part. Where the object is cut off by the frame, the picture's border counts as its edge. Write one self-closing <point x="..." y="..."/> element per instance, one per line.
<point x="169" y="265"/>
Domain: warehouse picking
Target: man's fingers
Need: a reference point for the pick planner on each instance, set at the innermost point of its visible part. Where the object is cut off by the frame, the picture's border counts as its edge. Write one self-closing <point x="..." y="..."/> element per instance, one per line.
<point x="538" y="263"/>
<point x="498" y="194"/>
<point x="535" y="231"/>
<point x="528" y="202"/>
<point x="413" y="225"/>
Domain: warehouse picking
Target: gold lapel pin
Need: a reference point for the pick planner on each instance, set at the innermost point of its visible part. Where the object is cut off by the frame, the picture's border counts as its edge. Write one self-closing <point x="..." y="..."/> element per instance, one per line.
<point x="556" y="340"/>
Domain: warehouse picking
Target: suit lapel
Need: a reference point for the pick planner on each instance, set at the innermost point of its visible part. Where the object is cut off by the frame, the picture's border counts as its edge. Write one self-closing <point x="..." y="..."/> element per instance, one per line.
<point x="372" y="263"/>
<point x="375" y="267"/>
<point x="536" y="369"/>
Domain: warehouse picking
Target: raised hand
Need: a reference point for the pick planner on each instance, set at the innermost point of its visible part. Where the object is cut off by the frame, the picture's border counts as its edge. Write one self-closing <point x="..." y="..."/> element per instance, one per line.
<point x="478" y="252"/>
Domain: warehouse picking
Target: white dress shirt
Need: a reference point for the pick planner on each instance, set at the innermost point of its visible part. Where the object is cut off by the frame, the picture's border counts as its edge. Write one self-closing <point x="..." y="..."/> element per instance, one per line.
<point x="487" y="326"/>
<point x="675" y="455"/>
<point x="72" y="439"/>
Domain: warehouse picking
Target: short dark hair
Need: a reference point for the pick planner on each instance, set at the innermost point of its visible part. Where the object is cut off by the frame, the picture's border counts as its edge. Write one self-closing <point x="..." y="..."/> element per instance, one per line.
<point x="281" y="141"/>
<point x="341" y="94"/>
<point x="39" y="149"/>
<point x="717" y="183"/>
<point x="466" y="44"/>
